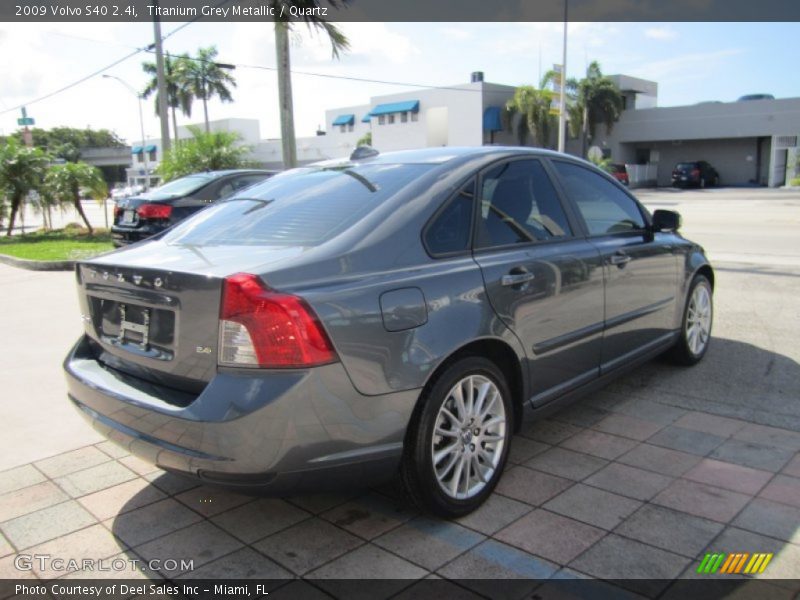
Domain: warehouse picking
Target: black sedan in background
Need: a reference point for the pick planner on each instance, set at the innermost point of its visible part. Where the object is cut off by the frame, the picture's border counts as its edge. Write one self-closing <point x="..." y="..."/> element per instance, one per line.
<point x="145" y="215"/>
<point x="698" y="173"/>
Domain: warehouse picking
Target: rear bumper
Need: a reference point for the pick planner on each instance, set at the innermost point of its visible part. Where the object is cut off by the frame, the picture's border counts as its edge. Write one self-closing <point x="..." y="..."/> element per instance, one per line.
<point x="122" y="236"/>
<point x="275" y="432"/>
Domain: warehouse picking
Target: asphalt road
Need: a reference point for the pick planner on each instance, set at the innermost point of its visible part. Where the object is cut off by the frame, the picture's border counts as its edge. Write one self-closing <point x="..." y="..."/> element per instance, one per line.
<point x="751" y="372"/>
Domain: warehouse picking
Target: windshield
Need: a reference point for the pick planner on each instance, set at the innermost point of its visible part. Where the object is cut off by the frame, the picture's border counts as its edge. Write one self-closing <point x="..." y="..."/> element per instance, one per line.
<point x="184" y="185"/>
<point x="299" y="207"/>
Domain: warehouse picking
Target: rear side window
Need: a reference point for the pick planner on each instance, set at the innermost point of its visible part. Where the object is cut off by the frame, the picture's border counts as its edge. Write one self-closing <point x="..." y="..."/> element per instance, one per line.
<point x="519" y="205"/>
<point x="450" y="230"/>
<point x="302" y="207"/>
<point x="605" y="208"/>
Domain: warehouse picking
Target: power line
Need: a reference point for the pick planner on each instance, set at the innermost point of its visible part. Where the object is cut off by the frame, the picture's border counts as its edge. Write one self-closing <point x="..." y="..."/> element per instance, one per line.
<point x="327" y="75"/>
<point x="74" y="83"/>
<point x="103" y="69"/>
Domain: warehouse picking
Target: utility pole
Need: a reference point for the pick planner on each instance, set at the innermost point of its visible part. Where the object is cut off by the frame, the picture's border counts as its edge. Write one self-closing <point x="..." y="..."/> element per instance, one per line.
<point x="162" y="84"/>
<point x="562" y="111"/>
<point x="288" y="142"/>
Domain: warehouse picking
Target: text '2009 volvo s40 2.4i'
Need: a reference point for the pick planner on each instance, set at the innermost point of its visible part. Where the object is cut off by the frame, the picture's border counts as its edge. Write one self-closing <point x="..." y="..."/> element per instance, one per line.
<point x="342" y="323"/>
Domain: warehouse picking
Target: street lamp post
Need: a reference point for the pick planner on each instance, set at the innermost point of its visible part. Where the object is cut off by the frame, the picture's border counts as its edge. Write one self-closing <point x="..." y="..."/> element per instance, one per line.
<point x="141" y="126"/>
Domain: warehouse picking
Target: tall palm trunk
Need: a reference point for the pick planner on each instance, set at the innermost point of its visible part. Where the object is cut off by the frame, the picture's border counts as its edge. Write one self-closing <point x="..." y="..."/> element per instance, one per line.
<point x="584" y="131"/>
<point x="288" y="142"/>
<point x="16" y="201"/>
<point x="79" y="208"/>
<point x="205" y="105"/>
<point x="174" y="125"/>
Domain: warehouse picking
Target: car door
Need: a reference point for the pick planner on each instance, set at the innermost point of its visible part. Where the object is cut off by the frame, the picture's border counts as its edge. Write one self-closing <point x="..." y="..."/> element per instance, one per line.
<point x="543" y="281"/>
<point x="641" y="269"/>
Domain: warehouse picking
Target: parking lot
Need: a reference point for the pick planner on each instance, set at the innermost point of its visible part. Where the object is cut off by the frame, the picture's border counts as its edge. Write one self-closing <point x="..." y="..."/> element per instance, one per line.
<point x="634" y="483"/>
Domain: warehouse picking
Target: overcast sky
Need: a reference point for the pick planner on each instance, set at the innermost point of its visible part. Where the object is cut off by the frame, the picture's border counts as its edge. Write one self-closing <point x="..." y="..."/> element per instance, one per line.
<point x="692" y="62"/>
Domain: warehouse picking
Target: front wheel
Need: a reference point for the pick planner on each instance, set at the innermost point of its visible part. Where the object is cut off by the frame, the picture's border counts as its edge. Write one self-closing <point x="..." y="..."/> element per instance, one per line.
<point x="698" y="317"/>
<point x="458" y="441"/>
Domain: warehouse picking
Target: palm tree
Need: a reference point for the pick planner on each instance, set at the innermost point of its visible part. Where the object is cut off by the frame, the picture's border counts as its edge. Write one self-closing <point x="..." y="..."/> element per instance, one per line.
<point x="66" y="182"/>
<point x="21" y="172"/>
<point x="178" y="94"/>
<point x="531" y="108"/>
<point x="597" y="100"/>
<point x="204" y="152"/>
<point x="339" y="43"/>
<point x="205" y="78"/>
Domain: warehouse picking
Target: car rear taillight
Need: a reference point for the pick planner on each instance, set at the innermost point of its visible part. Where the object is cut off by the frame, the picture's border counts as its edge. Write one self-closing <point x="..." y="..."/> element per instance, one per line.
<point x="263" y="328"/>
<point x="695" y="172"/>
<point x="117" y="212"/>
<point x="154" y="211"/>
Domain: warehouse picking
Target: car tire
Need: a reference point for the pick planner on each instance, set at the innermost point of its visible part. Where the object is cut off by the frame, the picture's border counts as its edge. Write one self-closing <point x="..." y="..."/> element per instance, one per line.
<point x="455" y="449"/>
<point x="696" y="323"/>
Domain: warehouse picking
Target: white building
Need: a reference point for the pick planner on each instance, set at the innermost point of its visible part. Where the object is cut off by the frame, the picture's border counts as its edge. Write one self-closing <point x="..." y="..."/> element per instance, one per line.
<point x="748" y="142"/>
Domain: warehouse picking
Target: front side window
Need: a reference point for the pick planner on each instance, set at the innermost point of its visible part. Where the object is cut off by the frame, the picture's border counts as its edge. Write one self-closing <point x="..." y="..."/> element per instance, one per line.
<point x="301" y="207"/>
<point x="520" y="205"/>
<point x="450" y="231"/>
<point x="605" y="208"/>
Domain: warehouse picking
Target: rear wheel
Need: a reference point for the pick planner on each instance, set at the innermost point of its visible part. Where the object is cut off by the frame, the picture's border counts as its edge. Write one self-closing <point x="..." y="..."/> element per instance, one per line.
<point x="458" y="441"/>
<point x="696" y="325"/>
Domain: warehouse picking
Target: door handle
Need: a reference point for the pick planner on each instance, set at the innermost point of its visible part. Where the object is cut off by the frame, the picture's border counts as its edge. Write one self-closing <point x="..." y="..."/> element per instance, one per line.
<point x="620" y="259"/>
<point x="517" y="278"/>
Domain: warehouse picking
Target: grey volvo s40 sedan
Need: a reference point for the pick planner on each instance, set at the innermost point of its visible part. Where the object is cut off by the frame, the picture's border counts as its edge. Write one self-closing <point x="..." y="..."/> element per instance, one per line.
<point x="343" y="323"/>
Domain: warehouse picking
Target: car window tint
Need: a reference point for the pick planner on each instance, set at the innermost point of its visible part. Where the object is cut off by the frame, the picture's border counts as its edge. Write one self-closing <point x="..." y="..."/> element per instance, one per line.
<point x="299" y="207"/>
<point x="450" y="231"/>
<point x="519" y="205"/>
<point x="605" y="208"/>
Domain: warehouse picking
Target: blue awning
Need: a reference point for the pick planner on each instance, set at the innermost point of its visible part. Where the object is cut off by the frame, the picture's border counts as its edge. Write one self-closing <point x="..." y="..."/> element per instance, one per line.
<point x="137" y="150"/>
<point x="395" y="107"/>
<point x="150" y="148"/>
<point x="366" y="118"/>
<point x="344" y="120"/>
<point x="492" y="120"/>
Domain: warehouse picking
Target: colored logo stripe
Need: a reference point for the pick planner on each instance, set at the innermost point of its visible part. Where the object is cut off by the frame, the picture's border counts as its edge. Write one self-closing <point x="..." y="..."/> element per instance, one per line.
<point x="734" y="563"/>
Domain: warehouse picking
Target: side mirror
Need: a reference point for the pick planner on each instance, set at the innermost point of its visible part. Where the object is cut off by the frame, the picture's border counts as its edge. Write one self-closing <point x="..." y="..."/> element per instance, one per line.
<point x="666" y="220"/>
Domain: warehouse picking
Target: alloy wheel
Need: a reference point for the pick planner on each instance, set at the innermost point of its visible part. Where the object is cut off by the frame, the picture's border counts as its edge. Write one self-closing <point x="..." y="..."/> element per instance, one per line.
<point x="469" y="436"/>
<point x="698" y="320"/>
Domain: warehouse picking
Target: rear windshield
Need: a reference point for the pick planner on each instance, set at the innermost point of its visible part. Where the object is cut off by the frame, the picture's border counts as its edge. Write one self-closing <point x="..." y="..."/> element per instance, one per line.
<point x="300" y="207"/>
<point x="617" y="168"/>
<point x="686" y="166"/>
<point x="184" y="185"/>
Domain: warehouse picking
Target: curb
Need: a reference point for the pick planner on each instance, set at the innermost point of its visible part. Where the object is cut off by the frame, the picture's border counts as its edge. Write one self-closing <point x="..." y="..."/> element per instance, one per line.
<point x="37" y="265"/>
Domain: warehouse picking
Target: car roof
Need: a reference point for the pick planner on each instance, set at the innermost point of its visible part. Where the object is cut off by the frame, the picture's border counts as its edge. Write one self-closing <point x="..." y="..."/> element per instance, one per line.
<point x="439" y="155"/>
<point x="224" y="172"/>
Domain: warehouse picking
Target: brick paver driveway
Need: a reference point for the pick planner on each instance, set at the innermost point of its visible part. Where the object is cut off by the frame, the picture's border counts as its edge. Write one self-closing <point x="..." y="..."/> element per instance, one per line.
<point x="636" y="482"/>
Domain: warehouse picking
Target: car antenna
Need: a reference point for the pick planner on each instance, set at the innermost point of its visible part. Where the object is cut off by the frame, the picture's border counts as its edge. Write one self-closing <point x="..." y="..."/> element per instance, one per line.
<point x="363" y="152"/>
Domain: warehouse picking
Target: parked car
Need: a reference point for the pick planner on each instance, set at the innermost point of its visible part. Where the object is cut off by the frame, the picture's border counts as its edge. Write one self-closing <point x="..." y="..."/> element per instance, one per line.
<point x="338" y="324"/>
<point x="619" y="172"/>
<point x="698" y="173"/>
<point x="751" y="97"/>
<point x="146" y="214"/>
